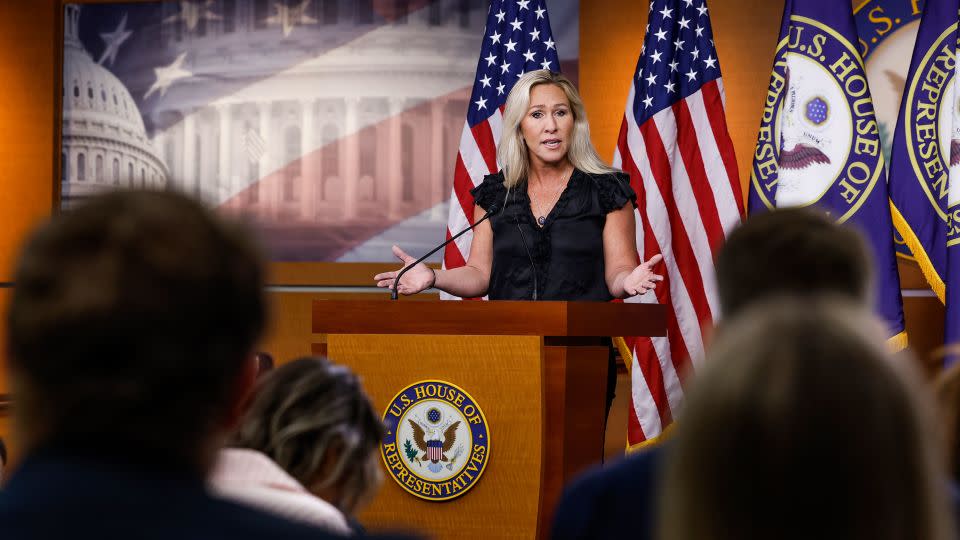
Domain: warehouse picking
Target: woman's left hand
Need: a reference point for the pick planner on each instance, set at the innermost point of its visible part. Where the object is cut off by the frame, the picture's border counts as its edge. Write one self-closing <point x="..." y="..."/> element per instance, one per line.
<point x="642" y="278"/>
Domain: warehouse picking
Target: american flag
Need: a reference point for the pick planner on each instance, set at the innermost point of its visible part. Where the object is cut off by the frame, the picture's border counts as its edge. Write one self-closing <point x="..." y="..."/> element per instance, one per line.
<point x="517" y="39"/>
<point x="675" y="146"/>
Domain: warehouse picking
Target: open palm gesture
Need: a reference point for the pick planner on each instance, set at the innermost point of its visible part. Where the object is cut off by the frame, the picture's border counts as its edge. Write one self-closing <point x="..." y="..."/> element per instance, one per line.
<point x="417" y="279"/>
<point x="642" y="278"/>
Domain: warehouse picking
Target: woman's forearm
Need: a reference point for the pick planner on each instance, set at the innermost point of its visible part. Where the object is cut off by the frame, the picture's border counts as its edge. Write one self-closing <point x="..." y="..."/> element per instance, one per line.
<point x="465" y="282"/>
<point x="615" y="279"/>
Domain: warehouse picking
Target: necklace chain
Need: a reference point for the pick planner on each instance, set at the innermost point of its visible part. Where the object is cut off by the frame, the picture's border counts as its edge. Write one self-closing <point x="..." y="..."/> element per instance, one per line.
<point x="543" y="211"/>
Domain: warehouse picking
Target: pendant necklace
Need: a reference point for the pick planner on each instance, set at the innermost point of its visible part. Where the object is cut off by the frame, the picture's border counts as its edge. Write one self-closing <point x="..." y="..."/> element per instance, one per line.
<point x="542" y="218"/>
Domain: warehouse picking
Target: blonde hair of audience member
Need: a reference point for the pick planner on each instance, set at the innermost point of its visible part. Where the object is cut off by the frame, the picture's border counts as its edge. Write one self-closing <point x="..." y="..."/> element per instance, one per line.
<point x="312" y="417"/>
<point x="948" y="399"/>
<point x="802" y="425"/>
<point x="512" y="152"/>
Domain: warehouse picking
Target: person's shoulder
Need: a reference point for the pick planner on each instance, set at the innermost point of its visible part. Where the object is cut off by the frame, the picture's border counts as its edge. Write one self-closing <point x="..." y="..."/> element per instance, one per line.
<point x="613" y="189"/>
<point x="489" y="191"/>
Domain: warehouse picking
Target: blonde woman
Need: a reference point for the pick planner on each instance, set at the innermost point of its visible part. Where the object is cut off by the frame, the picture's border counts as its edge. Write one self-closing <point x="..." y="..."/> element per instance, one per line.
<point x="565" y="229"/>
<point x="307" y="447"/>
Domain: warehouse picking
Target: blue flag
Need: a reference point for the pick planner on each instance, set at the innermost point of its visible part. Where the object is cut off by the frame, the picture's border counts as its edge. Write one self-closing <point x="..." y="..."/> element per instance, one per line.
<point x="819" y="141"/>
<point x="925" y="160"/>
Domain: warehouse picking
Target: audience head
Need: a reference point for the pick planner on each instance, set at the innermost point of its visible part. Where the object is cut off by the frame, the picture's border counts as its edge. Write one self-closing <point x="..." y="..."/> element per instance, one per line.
<point x="3" y="458"/>
<point x="948" y="399"/>
<point x="312" y="418"/>
<point x="791" y="251"/>
<point x="513" y="153"/>
<point x="133" y="323"/>
<point x="802" y="425"/>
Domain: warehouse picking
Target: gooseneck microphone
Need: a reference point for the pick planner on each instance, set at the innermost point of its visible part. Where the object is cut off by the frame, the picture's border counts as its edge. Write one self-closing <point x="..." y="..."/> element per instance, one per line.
<point x="533" y="266"/>
<point x="396" y="282"/>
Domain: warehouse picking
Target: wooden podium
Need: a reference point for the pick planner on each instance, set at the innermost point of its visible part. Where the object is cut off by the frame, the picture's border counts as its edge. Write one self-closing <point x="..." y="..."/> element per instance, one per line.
<point x="537" y="370"/>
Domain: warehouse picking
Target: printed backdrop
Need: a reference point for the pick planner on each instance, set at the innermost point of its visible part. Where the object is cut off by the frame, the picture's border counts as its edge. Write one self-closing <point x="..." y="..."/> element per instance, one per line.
<point x="332" y="125"/>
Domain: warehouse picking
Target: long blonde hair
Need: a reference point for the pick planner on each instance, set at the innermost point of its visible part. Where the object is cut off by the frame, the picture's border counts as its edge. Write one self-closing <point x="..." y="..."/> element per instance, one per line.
<point x="513" y="154"/>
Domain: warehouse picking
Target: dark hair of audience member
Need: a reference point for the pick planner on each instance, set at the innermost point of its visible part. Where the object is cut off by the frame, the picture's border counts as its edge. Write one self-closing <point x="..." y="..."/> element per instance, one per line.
<point x="3" y="452"/>
<point x="133" y="318"/>
<point x="312" y="417"/>
<point x="802" y="425"/>
<point x="791" y="251"/>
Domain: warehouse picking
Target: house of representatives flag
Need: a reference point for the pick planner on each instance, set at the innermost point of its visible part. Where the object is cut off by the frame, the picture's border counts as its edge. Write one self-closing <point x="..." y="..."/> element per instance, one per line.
<point x="674" y="144"/>
<point x="517" y="39"/>
<point x="819" y="141"/>
<point x="925" y="162"/>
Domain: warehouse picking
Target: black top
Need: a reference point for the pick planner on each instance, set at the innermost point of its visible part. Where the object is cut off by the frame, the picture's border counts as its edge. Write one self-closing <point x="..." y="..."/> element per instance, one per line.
<point x="567" y="252"/>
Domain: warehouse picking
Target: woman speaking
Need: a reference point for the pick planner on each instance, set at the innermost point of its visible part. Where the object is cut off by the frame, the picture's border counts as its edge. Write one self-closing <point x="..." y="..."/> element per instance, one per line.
<point x="566" y="230"/>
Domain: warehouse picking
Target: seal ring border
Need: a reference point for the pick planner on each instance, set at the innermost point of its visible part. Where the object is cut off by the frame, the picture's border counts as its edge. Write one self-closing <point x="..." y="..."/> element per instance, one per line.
<point x="485" y="461"/>
<point x="880" y="164"/>
<point x="913" y="84"/>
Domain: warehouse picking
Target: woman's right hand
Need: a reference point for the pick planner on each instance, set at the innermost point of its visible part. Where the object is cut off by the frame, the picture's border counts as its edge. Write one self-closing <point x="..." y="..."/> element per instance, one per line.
<point x="418" y="278"/>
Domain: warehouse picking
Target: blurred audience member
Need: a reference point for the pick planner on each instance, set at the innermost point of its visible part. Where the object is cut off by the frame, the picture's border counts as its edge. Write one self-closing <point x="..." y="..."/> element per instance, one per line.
<point x="3" y="459"/>
<point x="131" y="334"/>
<point x="264" y="363"/>
<point x="802" y="425"/>
<point x="311" y="418"/>
<point x="948" y="398"/>
<point x="788" y="251"/>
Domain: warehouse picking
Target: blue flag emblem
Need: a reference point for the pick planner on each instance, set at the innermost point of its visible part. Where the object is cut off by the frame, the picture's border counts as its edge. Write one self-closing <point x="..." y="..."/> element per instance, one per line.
<point x="819" y="142"/>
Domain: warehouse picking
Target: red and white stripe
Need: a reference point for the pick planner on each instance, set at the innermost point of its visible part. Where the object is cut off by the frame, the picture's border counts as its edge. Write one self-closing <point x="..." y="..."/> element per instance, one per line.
<point x="477" y="158"/>
<point x="682" y="165"/>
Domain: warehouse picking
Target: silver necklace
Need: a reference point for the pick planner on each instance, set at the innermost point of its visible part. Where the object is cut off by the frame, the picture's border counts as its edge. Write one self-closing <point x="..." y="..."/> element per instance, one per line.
<point x="542" y="217"/>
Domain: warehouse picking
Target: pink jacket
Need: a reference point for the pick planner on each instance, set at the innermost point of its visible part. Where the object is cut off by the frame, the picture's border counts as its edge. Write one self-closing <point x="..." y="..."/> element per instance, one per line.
<point x="250" y="477"/>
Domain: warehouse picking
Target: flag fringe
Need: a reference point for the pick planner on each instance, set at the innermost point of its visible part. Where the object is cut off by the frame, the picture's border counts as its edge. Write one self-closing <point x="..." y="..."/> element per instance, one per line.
<point x="898" y="342"/>
<point x="662" y="437"/>
<point x="625" y="353"/>
<point x="919" y="253"/>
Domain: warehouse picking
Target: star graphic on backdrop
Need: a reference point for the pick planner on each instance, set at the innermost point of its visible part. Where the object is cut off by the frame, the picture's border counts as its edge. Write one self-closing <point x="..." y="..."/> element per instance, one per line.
<point x="540" y="12"/>
<point x="530" y="56"/>
<point x="167" y="75"/>
<point x="656" y="56"/>
<point x="504" y="67"/>
<point x="695" y="53"/>
<point x="491" y="59"/>
<point x="699" y="30"/>
<point x="689" y="3"/>
<point x="549" y="43"/>
<point x="523" y="4"/>
<point x="485" y="81"/>
<point x="113" y="40"/>
<point x="192" y="13"/>
<point x="494" y="38"/>
<point x="678" y="44"/>
<point x="289" y="16"/>
<point x="648" y="101"/>
<point x="501" y="88"/>
<point x="702" y="9"/>
<point x="481" y="104"/>
<point x="670" y="86"/>
<point x="684" y="23"/>
<point x="661" y="34"/>
<point x="652" y="79"/>
<point x="710" y="61"/>
<point x="511" y="46"/>
<point x="673" y="66"/>
<point x="545" y="64"/>
<point x="667" y="13"/>
<point x="500" y="15"/>
<point x="691" y="75"/>
<point x="535" y="35"/>
<point x="516" y="24"/>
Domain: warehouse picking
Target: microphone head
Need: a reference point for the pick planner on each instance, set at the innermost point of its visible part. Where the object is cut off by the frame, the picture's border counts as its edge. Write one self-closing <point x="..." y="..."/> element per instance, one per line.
<point x="494" y="208"/>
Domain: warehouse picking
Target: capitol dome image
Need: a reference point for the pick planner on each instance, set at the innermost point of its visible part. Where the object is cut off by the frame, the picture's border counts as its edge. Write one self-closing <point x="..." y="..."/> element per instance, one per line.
<point x="104" y="142"/>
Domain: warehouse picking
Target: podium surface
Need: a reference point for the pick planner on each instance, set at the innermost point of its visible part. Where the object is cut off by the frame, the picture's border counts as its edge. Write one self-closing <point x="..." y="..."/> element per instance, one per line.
<point x="537" y="371"/>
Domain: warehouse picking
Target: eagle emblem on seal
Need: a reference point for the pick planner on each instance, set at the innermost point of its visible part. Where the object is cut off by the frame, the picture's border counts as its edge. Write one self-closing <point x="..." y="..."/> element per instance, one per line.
<point x="434" y="445"/>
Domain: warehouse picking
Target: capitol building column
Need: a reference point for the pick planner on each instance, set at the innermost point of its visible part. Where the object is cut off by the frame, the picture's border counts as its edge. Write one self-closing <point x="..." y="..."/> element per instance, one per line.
<point x="267" y="197"/>
<point x="437" y="174"/>
<point x="350" y="164"/>
<point x="189" y="181"/>
<point x="309" y="179"/>
<point x="395" y="159"/>
<point x="224" y="173"/>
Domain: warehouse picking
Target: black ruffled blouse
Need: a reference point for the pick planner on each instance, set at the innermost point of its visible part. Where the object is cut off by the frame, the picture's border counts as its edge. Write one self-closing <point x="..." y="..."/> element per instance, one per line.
<point x="566" y="253"/>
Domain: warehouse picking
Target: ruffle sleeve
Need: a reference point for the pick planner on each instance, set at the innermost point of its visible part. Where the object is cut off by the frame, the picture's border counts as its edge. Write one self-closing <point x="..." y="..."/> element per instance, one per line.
<point x="490" y="191"/>
<point x="614" y="191"/>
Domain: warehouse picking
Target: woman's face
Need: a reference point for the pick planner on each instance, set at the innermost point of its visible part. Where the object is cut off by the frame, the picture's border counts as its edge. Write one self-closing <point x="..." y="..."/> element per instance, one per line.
<point x="548" y="125"/>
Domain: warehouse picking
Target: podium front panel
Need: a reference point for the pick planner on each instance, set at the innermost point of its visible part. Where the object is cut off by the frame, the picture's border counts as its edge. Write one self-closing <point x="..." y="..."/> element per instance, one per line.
<point x="504" y="376"/>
